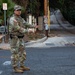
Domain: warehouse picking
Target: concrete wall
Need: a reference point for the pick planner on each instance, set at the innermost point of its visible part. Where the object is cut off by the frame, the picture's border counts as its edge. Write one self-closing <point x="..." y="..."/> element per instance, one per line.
<point x="40" y="23"/>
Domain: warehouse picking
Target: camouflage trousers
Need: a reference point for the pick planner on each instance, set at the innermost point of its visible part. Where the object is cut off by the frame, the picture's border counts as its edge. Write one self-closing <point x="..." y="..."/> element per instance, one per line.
<point x="18" y="52"/>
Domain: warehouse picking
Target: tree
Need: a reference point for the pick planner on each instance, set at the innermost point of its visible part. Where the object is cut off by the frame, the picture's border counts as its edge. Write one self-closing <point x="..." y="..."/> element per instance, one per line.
<point x="68" y="9"/>
<point x="10" y="5"/>
<point x="9" y="11"/>
<point x="30" y="6"/>
<point x="23" y="3"/>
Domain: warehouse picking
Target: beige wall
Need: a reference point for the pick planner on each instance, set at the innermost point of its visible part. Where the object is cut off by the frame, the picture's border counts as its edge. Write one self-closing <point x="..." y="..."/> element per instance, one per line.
<point x="40" y="23"/>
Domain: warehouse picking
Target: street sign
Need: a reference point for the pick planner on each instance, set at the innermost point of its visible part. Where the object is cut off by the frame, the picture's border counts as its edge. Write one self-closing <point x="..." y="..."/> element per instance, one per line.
<point x="4" y="6"/>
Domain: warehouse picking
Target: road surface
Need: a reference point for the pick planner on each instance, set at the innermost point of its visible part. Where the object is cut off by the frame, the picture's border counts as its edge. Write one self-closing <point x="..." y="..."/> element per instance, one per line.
<point x="42" y="61"/>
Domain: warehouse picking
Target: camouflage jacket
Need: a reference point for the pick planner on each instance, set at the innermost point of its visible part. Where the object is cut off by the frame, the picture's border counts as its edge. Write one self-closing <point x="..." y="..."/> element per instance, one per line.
<point x="17" y="25"/>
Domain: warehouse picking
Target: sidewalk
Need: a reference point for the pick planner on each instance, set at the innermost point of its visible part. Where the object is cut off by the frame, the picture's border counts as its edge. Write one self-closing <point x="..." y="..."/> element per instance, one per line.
<point x="6" y="46"/>
<point x="45" y="42"/>
<point x="56" y="42"/>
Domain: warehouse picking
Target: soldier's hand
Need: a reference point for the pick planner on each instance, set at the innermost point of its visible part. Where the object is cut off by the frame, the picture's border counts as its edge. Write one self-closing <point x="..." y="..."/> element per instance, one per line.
<point x="31" y="30"/>
<point x="36" y="26"/>
<point x="15" y="21"/>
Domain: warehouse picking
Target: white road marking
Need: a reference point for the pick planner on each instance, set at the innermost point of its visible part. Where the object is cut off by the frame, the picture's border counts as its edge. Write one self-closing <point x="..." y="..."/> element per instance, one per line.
<point x="1" y="72"/>
<point x="7" y="63"/>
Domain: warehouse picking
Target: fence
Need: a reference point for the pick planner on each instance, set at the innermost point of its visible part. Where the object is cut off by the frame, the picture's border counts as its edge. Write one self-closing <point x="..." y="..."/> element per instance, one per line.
<point x="2" y="29"/>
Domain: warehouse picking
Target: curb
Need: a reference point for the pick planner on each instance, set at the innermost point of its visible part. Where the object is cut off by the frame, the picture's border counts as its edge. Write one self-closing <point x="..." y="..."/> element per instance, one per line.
<point x="38" y="41"/>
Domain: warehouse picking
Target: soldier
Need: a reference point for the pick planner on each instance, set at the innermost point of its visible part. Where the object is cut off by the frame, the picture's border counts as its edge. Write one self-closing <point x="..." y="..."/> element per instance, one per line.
<point x="17" y="31"/>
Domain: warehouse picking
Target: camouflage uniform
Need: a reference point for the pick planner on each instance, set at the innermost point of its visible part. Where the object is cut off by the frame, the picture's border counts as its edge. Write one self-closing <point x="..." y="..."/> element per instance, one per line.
<point x="17" y="31"/>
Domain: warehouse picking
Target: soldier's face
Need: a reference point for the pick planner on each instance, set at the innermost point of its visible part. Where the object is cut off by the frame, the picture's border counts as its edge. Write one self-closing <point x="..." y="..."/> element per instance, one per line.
<point x="17" y="12"/>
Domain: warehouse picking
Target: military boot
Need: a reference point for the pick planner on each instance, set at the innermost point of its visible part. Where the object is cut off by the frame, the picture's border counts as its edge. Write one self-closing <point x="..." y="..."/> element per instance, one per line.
<point x="17" y="70"/>
<point x="24" y="68"/>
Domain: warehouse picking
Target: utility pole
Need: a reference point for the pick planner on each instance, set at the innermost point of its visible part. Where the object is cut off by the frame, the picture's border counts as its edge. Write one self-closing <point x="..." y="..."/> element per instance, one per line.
<point x="45" y="7"/>
<point x="48" y="16"/>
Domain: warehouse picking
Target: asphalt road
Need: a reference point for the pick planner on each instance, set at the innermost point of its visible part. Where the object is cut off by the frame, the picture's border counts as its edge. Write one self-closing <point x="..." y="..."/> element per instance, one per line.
<point x="42" y="61"/>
